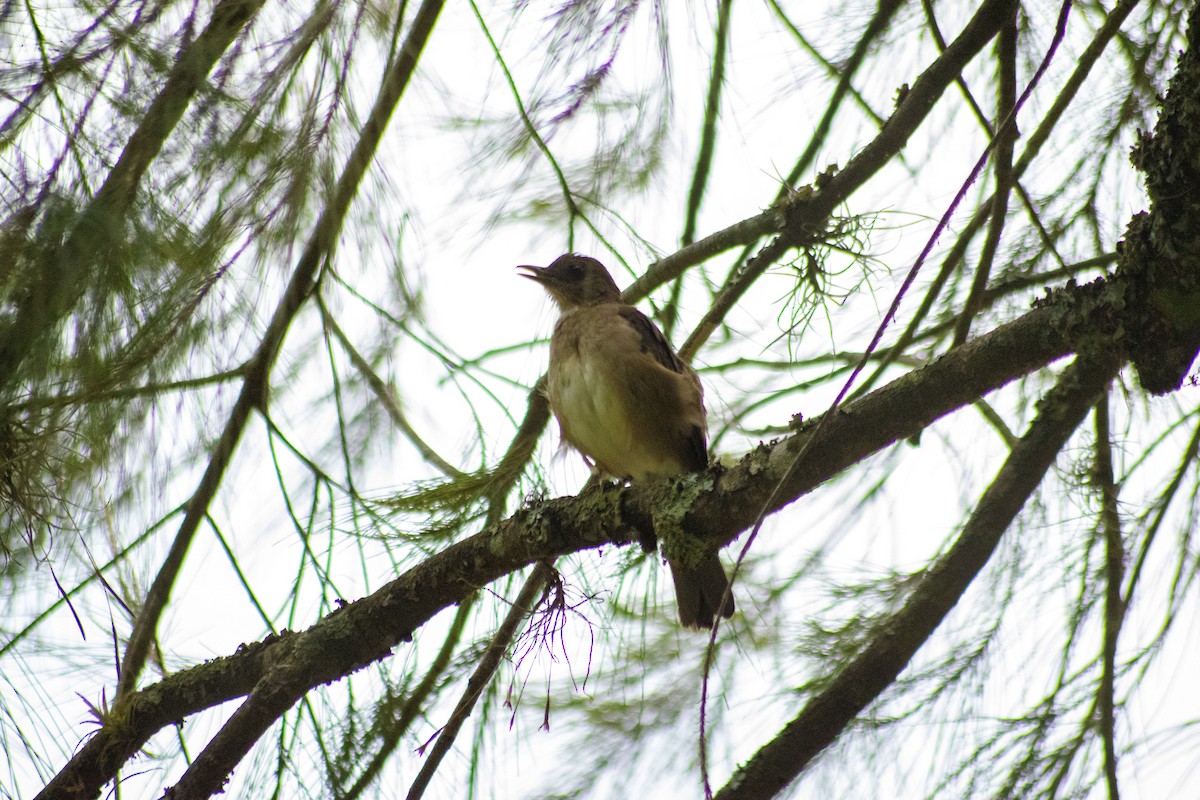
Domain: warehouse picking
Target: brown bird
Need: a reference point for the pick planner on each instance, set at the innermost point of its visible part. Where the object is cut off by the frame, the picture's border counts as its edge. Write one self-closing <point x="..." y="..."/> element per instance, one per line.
<point x="626" y="401"/>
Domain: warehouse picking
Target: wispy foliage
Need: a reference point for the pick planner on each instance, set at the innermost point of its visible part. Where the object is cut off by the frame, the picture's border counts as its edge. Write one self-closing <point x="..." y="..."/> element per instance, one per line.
<point x="268" y="379"/>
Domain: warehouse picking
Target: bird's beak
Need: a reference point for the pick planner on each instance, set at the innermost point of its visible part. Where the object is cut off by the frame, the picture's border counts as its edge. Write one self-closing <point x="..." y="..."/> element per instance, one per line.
<point x="531" y="272"/>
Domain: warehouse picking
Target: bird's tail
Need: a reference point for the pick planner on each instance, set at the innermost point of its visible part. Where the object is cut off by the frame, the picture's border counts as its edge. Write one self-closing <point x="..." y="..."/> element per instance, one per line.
<point x="700" y="591"/>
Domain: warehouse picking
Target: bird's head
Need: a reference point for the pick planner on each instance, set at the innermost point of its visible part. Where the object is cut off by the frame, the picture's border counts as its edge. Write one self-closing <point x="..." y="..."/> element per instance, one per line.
<point x="574" y="281"/>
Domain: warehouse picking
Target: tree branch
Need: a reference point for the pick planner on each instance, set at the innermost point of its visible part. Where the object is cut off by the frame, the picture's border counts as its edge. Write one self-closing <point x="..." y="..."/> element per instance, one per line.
<point x="807" y="215"/>
<point x="254" y="388"/>
<point x="1162" y="251"/>
<point x="58" y="289"/>
<point x="866" y="677"/>
<point x="1114" y="608"/>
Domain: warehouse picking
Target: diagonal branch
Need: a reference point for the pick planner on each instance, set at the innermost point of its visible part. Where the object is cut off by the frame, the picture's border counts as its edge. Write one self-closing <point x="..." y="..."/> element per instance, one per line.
<point x="807" y="217"/>
<point x="521" y="608"/>
<point x="59" y="289"/>
<point x="254" y="388"/>
<point x="846" y="71"/>
<point x="865" y="678"/>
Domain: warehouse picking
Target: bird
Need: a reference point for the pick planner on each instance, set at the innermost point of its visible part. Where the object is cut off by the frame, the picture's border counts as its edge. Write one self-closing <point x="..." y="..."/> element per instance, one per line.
<point x="626" y="401"/>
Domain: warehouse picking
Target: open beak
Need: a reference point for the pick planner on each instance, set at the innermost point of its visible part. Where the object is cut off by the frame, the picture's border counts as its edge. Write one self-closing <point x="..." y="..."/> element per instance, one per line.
<point x="534" y="273"/>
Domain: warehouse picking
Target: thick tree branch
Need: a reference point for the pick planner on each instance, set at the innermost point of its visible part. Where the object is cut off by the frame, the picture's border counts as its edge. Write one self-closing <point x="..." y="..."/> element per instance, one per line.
<point x="848" y="69"/>
<point x="916" y="104"/>
<point x="1162" y="250"/>
<point x="866" y="677"/>
<point x="899" y="410"/>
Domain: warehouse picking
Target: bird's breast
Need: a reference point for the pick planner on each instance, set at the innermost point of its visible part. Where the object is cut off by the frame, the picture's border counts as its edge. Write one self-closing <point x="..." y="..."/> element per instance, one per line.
<point x="614" y="402"/>
<point x="588" y="401"/>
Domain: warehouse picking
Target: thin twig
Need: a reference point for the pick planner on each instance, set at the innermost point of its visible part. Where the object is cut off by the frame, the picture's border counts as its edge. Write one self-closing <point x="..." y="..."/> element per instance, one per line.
<point x="708" y="134"/>
<point x="521" y="608"/>
<point x="1114" y="607"/>
<point x="1002" y="166"/>
<point x="388" y="399"/>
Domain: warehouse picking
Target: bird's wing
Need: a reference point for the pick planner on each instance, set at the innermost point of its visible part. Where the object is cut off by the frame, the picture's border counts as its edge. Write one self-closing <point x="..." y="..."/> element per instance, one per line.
<point x="693" y="448"/>
<point x="653" y="341"/>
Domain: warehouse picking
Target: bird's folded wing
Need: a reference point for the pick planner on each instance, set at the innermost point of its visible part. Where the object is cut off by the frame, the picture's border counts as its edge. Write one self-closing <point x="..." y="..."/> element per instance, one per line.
<point x="652" y="339"/>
